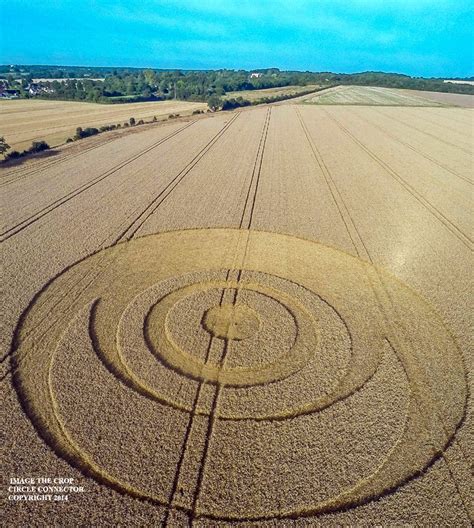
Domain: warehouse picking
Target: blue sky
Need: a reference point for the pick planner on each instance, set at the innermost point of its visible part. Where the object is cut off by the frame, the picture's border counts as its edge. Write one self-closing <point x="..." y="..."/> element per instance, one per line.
<point x="417" y="37"/>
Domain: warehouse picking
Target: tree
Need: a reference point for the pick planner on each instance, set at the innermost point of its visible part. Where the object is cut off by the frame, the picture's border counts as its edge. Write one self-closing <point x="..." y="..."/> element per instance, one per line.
<point x="150" y="78"/>
<point x="4" y="146"/>
<point x="214" y="102"/>
<point x="38" y="146"/>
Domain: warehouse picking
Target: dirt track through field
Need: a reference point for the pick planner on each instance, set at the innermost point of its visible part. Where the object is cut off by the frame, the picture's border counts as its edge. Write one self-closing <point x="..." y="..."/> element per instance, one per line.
<point x="261" y="316"/>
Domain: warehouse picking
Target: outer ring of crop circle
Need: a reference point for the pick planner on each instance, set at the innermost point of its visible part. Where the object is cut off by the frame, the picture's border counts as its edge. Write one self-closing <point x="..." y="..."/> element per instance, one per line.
<point x="311" y="511"/>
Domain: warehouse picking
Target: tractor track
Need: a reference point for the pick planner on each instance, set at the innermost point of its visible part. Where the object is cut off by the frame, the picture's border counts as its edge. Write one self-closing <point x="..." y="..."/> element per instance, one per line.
<point x="72" y="194"/>
<point x="414" y="149"/>
<point x="421" y="131"/>
<point x="441" y="217"/>
<point x="245" y="224"/>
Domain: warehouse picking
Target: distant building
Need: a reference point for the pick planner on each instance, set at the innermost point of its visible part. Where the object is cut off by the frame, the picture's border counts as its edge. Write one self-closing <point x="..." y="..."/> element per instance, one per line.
<point x="452" y="81"/>
<point x="34" y="89"/>
<point x="255" y="75"/>
<point x="38" y="89"/>
<point x="9" y="94"/>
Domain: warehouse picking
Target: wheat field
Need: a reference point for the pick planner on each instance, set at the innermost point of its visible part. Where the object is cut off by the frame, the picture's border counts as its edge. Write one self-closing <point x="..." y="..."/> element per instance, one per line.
<point x="27" y="120"/>
<point x="375" y="96"/>
<point x="258" y="318"/>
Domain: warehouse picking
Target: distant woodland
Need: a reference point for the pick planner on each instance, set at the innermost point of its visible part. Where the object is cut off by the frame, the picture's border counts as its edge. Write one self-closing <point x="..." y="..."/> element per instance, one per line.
<point x="117" y="85"/>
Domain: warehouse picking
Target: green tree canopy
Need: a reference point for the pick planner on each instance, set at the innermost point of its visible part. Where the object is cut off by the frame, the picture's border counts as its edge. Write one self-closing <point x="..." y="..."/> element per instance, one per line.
<point x="214" y="102"/>
<point x="4" y="146"/>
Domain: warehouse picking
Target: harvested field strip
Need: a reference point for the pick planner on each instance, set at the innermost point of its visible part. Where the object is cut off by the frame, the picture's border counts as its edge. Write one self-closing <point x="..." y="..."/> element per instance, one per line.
<point x="455" y="230"/>
<point x="26" y="120"/>
<point x="254" y="95"/>
<point x="368" y="96"/>
<point x="302" y="98"/>
<point x="57" y="203"/>
<point x="399" y="97"/>
<point x="414" y="149"/>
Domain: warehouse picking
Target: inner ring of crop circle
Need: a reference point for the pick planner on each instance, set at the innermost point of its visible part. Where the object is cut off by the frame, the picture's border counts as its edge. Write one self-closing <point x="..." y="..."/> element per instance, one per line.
<point x="264" y="331"/>
<point x="165" y="347"/>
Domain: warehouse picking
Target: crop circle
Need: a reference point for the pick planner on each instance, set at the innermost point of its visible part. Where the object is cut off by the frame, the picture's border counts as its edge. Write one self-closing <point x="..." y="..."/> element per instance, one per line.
<point x="245" y="330"/>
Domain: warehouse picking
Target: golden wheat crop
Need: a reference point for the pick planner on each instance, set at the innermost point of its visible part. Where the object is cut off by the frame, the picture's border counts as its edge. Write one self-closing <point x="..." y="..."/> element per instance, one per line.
<point x="260" y="317"/>
<point x="24" y="121"/>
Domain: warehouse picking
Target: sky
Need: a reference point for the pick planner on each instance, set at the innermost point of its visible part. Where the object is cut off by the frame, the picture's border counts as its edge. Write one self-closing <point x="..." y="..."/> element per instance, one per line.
<point x="431" y="38"/>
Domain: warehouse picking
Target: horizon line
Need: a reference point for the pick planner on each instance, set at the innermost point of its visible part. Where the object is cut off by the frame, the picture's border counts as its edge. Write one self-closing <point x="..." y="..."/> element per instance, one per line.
<point x="466" y="77"/>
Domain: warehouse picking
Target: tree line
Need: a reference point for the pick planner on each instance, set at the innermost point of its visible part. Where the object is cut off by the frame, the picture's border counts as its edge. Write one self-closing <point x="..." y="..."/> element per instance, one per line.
<point x="129" y="85"/>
